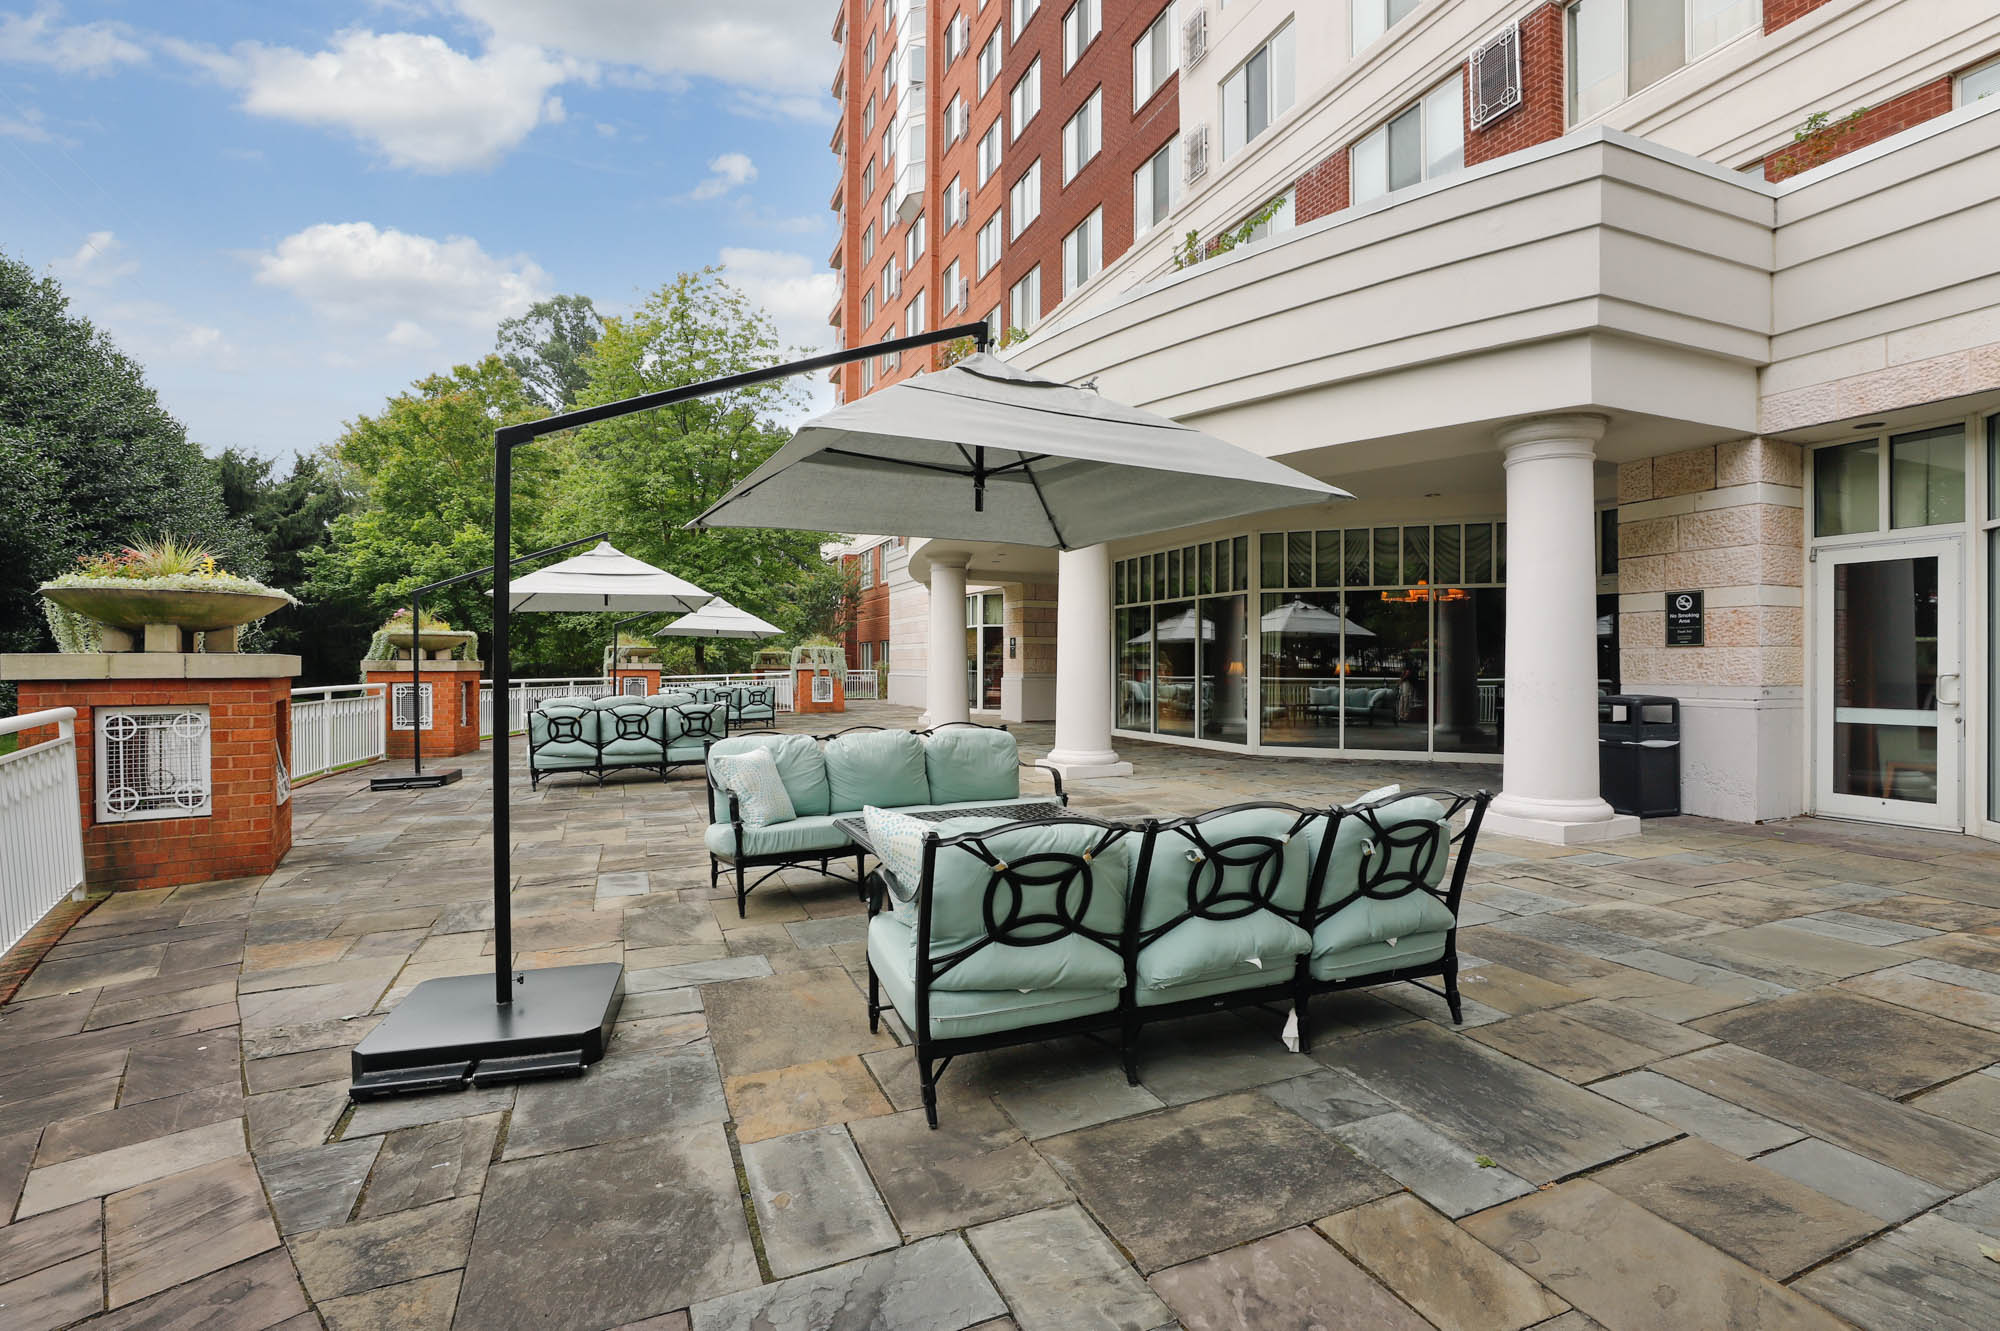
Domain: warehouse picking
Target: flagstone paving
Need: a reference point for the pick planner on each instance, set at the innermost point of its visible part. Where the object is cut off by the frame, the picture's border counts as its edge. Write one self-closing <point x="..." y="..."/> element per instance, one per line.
<point x="1717" y="1076"/>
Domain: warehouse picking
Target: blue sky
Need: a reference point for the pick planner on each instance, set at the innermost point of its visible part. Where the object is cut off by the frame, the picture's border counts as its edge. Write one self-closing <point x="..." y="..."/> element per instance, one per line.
<point x="288" y="210"/>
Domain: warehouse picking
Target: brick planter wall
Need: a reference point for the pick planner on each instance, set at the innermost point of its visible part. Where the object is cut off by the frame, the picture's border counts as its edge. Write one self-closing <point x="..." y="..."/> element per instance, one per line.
<point x="454" y="728"/>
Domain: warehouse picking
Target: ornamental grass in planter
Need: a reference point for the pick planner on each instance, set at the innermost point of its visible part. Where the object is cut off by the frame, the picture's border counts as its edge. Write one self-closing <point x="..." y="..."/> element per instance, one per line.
<point x="166" y="590"/>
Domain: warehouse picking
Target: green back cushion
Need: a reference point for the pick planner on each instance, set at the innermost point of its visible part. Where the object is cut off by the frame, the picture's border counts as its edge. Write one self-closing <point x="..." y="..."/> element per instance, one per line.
<point x="884" y="767"/>
<point x="1167" y="877"/>
<point x="971" y="763"/>
<point x="799" y="765"/>
<point x="1401" y="820"/>
<point x="628" y="728"/>
<point x="554" y="718"/>
<point x="1031" y="958"/>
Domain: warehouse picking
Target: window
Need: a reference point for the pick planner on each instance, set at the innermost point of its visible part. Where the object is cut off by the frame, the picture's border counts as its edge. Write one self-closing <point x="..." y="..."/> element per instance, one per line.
<point x="1153" y="58"/>
<point x="957" y="37"/>
<point x="913" y="245"/>
<point x="868" y="241"/>
<point x="1083" y="135"/>
<point x="1425" y="140"/>
<point x="989" y="62"/>
<point x="1024" y="300"/>
<point x="1617" y="47"/>
<point x="868" y="178"/>
<point x="1026" y="98"/>
<point x="988" y="249"/>
<point x="1155" y="189"/>
<point x="1277" y="223"/>
<point x="995" y="329"/>
<point x="868" y="54"/>
<point x="892" y="279"/>
<point x="989" y="152"/>
<point x="1080" y="28"/>
<point x="1023" y="10"/>
<point x="1024" y="200"/>
<point x="950" y="206"/>
<point x="889" y="148"/>
<point x="867" y="563"/>
<point x="868" y="115"/>
<point x="916" y="318"/>
<point x="868" y="307"/>
<point x="954" y="120"/>
<point x="1083" y="252"/>
<point x="1369" y="19"/>
<point x="1917" y="480"/>
<point x="889" y="361"/>
<point x="1258" y="92"/>
<point x="888" y="213"/>
<point x="1973" y="85"/>
<point x="949" y="293"/>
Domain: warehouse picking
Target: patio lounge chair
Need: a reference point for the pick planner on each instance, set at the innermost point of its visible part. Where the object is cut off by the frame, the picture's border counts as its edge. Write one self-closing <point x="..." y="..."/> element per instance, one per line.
<point x="833" y="777"/>
<point x="753" y="705"/>
<point x="1003" y="936"/>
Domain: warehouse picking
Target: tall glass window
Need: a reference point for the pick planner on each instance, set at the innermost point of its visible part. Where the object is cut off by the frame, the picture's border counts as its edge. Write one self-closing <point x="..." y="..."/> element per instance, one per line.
<point x="1847" y="488"/>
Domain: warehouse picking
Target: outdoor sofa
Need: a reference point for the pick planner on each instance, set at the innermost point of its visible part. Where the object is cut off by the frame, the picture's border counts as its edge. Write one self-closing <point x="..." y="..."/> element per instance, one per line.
<point x="984" y="933"/>
<point x="598" y="736"/>
<point x="828" y="778"/>
<point x="1370" y="704"/>
<point x="748" y="704"/>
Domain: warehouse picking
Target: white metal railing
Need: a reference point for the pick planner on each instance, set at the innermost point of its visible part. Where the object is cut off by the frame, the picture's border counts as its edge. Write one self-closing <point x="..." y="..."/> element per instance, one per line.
<point x="41" y="824"/>
<point x="337" y="726"/>
<point x="523" y="694"/>
<point x="862" y="684"/>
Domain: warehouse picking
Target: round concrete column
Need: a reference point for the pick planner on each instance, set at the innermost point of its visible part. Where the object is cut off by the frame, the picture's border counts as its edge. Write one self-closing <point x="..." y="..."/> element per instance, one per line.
<point x="944" y="693"/>
<point x="1083" y="667"/>
<point x="1550" y="783"/>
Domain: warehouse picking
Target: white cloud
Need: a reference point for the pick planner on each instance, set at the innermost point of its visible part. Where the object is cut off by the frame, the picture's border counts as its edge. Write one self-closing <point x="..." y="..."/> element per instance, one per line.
<point x="98" y="262"/>
<point x="418" y="101"/>
<point x="781" y="46"/>
<point x="42" y="38"/>
<point x="30" y="126"/>
<point x="796" y="291"/>
<point x="728" y="172"/>
<point x="403" y="288"/>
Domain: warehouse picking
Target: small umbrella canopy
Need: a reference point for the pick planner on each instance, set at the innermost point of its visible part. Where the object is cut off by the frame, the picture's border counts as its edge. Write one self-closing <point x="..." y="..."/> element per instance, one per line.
<point x="985" y="452"/>
<point x="719" y="619"/>
<point x="1304" y="619"/>
<point x="605" y="578"/>
<point x="1180" y="628"/>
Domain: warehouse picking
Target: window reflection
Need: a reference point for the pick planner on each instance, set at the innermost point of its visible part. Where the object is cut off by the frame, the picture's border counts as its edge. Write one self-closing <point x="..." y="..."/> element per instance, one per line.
<point x="1225" y="670"/>
<point x="1175" y="633"/>
<point x="1471" y="670"/>
<point x="1135" y="668"/>
<point x="1386" y="693"/>
<point x="1300" y="645"/>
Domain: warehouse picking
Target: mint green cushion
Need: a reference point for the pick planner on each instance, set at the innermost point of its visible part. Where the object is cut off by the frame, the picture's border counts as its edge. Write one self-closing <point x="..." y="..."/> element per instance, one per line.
<point x="1345" y="866"/>
<point x="694" y="720"/>
<point x="961" y="1012"/>
<point x="687" y="750"/>
<point x="629" y="714"/>
<point x="566" y="754"/>
<point x="800" y="835"/>
<point x="968" y="763"/>
<point x="1374" y="958"/>
<point x="881" y="767"/>
<point x="1201" y="950"/>
<point x="1169" y="872"/>
<point x="1368" y="920"/>
<point x="671" y="698"/>
<point x="799" y="765"/>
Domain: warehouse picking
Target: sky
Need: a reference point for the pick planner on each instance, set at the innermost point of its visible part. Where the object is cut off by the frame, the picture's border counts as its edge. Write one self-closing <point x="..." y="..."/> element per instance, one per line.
<point x="287" y="210"/>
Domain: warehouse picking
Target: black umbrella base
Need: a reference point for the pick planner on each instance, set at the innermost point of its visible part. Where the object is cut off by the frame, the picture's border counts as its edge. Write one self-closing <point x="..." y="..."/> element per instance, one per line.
<point x="449" y="1034"/>
<point x="416" y="780"/>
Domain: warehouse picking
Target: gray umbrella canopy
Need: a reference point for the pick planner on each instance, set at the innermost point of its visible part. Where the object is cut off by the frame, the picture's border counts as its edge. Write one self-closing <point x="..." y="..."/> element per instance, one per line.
<point x="985" y="452"/>
<point x="1301" y="619"/>
<point x="605" y="578"/>
<point x="719" y="619"/>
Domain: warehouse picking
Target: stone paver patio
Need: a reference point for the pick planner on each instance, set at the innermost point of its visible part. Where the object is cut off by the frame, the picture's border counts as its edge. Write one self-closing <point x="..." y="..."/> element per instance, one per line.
<point x="1715" y="1077"/>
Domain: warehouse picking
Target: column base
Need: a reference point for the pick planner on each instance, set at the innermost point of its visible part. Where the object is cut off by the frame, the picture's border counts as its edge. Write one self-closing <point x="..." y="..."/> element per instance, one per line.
<point x="1075" y="766"/>
<point x="1558" y="822"/>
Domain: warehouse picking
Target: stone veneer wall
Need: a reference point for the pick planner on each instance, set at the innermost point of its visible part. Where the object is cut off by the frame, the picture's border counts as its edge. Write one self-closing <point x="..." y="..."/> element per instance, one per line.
<point x="1727" y="521"/>
<point x="1031" y="675"/>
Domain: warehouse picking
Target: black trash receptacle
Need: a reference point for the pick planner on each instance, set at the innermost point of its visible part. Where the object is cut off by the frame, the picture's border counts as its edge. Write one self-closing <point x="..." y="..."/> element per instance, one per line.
<point x="1639" y="754"/>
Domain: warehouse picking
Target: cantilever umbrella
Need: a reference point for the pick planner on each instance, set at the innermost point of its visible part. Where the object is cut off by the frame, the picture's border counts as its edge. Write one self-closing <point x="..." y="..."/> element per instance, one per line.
<point x="718" y="619"/>
<point x="985" y="452"/>
<point x="605" y="578"/>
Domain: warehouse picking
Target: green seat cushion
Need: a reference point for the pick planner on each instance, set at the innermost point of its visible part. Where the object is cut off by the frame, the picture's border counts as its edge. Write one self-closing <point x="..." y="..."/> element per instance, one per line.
<point x="1260" y="948"/>
<point x="692" y="749"/>
<point x="880" y="767"/>
<point x="1374" y="958"/>
<point x="814" y="832"/>
<point x="963" y="1012"/>
<point x="972" y="763"/>
<point x="671" y="698"/>
<point x="1252" y="849"/>
<point x="1366" y="920"/>
<point x="800" y="766"/>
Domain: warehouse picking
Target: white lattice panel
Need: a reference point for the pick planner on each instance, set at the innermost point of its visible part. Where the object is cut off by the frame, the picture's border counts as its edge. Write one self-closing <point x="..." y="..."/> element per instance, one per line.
<point x="152" y="762"/>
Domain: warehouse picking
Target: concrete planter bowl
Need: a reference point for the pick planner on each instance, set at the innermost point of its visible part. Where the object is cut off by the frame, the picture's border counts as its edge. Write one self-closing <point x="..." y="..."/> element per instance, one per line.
<point x="132" y="608"/>
<point x="429" y="641"/>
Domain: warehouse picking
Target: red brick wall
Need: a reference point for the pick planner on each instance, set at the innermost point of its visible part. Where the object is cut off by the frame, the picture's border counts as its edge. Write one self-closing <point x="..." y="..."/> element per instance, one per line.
<point x="1541" y="115"/>
<point x="871" y="610"/>
<point x="454" y="726"/>
<point x="1931" y="100"/>
<point x="1777" y="13"/>
<point x="1323" y="189"/>
<point x="247" y="832"/>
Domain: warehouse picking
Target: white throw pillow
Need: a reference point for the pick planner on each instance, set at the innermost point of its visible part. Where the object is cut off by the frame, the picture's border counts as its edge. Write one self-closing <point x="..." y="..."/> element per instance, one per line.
<point x="898" y="840"/>
<point x="753" y="778"/>
<point x="1380" y="793"/>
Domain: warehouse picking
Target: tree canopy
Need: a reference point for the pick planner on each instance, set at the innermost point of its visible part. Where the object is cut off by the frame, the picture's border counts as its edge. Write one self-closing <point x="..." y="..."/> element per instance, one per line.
<point x="546" y="346"/>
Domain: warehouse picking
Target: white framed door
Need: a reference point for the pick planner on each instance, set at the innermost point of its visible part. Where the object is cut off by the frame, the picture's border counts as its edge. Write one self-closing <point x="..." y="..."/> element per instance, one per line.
<point x="1888" y="715"/>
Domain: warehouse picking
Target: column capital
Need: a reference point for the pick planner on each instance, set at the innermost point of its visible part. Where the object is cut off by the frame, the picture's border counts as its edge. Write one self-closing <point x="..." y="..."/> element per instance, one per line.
<point x="957" y="561"/>
<point x="1539" y="437"/>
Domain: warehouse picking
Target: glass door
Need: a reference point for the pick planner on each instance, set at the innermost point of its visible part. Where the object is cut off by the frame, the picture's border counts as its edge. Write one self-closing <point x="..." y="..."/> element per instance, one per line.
<point x="1887" y="716"/>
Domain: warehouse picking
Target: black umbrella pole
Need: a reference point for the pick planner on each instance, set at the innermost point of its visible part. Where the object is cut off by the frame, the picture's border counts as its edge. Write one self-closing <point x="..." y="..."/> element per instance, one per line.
<point x="416" y="686"/>
<point x="503" y="847"/>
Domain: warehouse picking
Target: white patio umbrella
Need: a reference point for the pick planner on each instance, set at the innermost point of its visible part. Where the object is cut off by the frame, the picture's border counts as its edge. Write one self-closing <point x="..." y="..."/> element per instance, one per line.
<point x="718" y="619"/>
<point x="1304" y="619"/>
<point x="1180" y="628"/>
<point x="985" y="452"/>
<point x="605" y="578"/>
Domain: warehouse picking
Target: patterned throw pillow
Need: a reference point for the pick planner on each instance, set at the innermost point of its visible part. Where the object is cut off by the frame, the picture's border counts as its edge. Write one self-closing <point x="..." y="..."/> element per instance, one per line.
<point x="753" y="778"/>
<point x="898" y="840"/>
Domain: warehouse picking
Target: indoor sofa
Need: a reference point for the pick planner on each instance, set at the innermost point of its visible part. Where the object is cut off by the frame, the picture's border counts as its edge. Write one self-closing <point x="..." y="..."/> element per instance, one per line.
<point x="598" y="736"/>
<point x="828" y="778"/>
<point x="1369" y="704"/>
<point x="986" y="933"/>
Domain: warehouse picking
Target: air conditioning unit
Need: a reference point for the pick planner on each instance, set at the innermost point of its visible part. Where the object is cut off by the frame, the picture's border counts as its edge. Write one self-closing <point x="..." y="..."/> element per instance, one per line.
<point x="964" y="294"/>
<point x="1496" y="76"/>
<point x="1196" y="153"/>
<point x="1194" y="38"/>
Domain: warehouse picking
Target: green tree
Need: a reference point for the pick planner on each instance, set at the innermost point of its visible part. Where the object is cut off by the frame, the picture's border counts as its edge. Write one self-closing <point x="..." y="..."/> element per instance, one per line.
<point x="422" y="473"/>
<point x="88" y="456"/>
<point x="547" y="346"/>
<point x="642" y="477"/>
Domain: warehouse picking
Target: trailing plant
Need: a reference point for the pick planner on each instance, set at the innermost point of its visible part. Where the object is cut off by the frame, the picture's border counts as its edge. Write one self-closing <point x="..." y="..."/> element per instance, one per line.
<point x="947" y="354"/>
<point x="164" y="564"/>
<point x="1194" y="248"/>
<point x="1816" y="141"/>
<point x="380" y="650"/>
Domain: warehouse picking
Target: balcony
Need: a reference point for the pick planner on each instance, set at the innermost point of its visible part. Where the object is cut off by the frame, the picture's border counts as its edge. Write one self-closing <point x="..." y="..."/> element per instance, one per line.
<point x="908" y="185"/>
<point x="912" y="21"/>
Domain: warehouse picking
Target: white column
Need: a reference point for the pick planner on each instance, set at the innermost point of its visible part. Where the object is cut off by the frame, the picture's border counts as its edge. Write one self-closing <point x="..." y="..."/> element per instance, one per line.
<point x="1550" y="780"/>
<point x="1083" y="667"/>
<point x="945" y="689"/>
